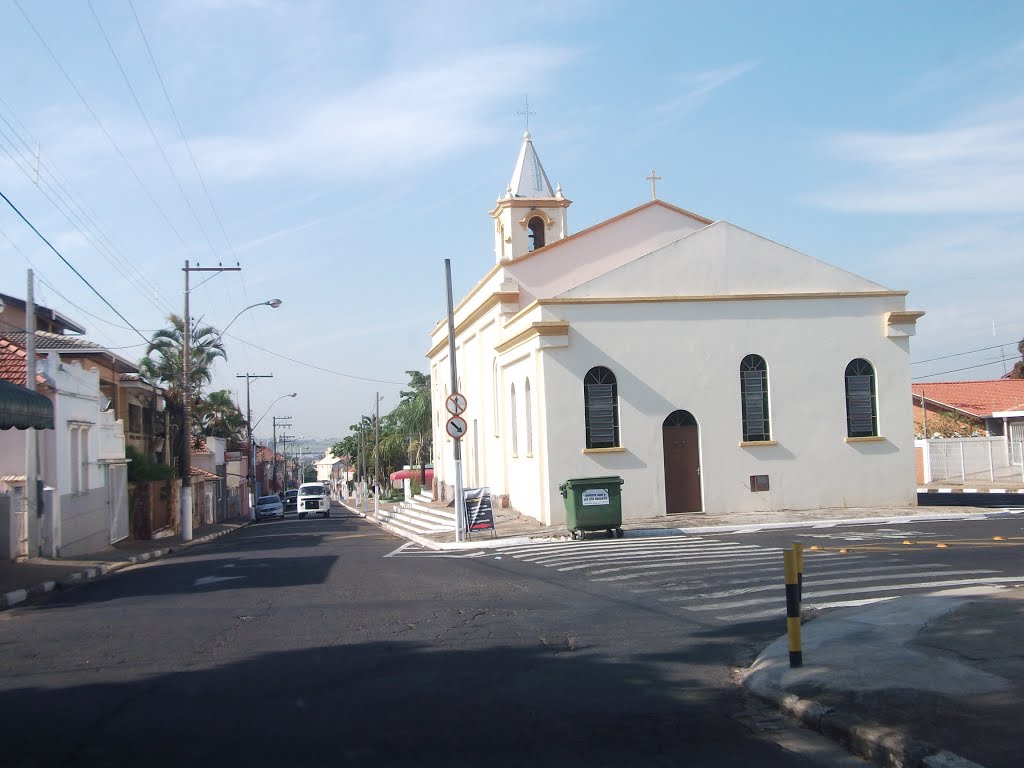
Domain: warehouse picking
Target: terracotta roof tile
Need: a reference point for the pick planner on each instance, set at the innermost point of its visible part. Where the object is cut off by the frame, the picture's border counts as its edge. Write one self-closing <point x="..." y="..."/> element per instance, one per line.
<point x="12" y="363"/>
<point x="46" y="340"/>
<point x="197" y="472"/>
<point x="981" y="398"/>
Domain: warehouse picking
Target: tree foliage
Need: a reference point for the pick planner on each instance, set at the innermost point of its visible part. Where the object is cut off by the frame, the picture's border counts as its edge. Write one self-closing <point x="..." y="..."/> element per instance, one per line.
<point x="163" y="365"/>
<point x="1017" y="372"/>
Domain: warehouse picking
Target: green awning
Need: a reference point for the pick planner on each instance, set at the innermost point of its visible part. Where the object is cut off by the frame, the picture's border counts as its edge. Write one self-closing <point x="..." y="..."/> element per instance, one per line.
<point x="24" y="409"/>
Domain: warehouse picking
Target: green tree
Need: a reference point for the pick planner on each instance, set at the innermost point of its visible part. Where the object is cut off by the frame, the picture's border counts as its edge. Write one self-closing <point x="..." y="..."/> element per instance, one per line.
<point x="1017" y="372"/>
<point x="163" y="365"/>
<point x="221" y="417"/>
<point x="409" y="432"/>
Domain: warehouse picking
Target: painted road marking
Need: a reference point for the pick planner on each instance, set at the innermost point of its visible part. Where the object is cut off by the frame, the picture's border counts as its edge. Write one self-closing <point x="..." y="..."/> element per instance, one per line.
<point x="205" y="581"/>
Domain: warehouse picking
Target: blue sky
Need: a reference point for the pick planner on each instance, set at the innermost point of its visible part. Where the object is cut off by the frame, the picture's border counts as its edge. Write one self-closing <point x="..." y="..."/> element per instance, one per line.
<point x="349" y="148"/>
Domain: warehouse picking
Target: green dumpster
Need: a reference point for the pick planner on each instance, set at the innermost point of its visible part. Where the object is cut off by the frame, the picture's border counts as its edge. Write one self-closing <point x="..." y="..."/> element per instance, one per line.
<point x="593" y="504"/>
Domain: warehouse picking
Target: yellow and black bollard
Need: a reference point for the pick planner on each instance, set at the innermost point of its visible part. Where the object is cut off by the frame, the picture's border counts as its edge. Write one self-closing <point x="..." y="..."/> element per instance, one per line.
<point x="798" y="550"/>
<point x="796" y="655"/>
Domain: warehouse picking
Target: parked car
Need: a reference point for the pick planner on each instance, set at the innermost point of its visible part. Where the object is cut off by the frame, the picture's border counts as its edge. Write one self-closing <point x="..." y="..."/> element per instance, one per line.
<point x="290" y="497"/>
<point x="313" y="498"/>
<point x="269" y="506"/>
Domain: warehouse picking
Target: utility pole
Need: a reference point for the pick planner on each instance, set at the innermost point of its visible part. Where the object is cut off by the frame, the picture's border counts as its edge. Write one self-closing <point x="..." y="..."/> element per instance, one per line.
<point x="32" y="506"/>
<point x="186" y="396"/>
<point x="376" y="455"/>
<point x="279" y="421"/>
<point x="253" y="486"/>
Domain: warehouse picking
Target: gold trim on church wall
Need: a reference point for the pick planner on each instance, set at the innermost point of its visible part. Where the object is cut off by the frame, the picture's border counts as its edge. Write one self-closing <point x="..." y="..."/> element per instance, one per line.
<point x="549" y="328"/>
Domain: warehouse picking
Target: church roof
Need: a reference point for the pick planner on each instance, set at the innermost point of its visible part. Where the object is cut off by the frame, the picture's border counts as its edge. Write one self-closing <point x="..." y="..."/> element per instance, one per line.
<point x="528" y="178"/>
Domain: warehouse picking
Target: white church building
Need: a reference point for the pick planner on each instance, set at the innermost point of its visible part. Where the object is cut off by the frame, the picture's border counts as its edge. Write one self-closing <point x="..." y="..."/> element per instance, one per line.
<point x="712" y="369"/>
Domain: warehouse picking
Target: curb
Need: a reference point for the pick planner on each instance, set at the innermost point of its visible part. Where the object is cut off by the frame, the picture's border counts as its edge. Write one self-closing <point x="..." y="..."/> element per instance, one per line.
<point x="18" y="596"/>
<point x="880" y="744"/>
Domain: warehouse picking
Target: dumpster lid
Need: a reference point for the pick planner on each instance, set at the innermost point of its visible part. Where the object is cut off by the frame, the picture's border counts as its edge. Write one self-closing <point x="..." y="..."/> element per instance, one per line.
<point x="606" y="480"/>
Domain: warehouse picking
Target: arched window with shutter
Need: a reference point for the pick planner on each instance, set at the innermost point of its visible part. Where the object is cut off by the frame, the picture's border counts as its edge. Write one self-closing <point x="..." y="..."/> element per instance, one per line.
<point x="601" y="408"/>
<point x="754" y="399"/>
<point x="861" y="400"/>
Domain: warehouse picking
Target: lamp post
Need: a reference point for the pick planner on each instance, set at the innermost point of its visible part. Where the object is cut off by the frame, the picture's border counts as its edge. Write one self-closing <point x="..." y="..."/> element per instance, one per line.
<point x="261" y="418"/>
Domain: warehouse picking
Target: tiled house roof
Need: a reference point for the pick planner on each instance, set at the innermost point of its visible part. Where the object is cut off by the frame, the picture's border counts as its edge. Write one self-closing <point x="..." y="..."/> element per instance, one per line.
<point x="73" y="345"/>
<point x="978" y="398"/>
<point x="12" y="363"/>
<point x="45" y="340"/>
<point x="197" y="472"/>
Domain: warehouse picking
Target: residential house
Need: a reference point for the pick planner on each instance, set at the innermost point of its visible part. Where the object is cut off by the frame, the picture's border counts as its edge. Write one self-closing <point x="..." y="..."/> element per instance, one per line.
<point x="81" y="462"/>
<point x="974" y="431"/>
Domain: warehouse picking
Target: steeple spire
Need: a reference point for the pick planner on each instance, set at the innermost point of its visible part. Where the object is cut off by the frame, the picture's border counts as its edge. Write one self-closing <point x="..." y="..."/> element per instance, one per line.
<point x="528" y="178"/>
<point x="530" y="214"/>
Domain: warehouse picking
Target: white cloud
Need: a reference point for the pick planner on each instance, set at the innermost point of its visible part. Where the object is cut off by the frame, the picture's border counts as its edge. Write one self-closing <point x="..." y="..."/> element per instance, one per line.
<point x="698" y="85"/>
<point x="974" y="165"/>
<point x="398" y="121"/>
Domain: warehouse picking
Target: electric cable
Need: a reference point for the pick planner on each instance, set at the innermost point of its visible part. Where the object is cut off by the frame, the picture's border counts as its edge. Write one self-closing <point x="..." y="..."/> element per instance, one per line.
<point x="99" y="122"/>
<point x="316" y="367"/>
<point x="152" y="131"/>
<point x="181" y="131"/>
<point x="70" y="265"/>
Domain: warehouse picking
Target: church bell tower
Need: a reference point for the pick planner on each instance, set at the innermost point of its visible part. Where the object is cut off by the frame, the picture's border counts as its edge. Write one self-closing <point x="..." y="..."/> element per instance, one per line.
<point x="529" y="215"/>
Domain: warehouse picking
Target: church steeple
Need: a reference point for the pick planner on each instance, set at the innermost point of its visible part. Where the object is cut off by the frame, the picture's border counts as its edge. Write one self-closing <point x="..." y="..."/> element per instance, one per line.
<point x="530" y="214"/>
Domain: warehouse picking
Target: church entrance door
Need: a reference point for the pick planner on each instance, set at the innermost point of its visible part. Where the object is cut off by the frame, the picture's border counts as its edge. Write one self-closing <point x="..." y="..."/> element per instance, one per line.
<point x="682" y="463"/>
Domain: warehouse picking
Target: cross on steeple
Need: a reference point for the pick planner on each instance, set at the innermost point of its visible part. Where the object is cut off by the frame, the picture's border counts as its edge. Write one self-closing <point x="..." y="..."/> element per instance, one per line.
<point x="525" y="111"/>
<point x="654" y="179"/>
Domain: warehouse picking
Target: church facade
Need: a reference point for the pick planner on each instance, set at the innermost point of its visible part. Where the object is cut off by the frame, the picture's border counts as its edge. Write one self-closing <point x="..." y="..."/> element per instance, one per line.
<point x="712" y="369"/>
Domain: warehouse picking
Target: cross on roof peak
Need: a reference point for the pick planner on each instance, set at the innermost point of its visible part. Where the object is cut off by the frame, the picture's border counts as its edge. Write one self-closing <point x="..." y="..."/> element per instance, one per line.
<point x="654" y="179"/>
<point x="525" y="111"/>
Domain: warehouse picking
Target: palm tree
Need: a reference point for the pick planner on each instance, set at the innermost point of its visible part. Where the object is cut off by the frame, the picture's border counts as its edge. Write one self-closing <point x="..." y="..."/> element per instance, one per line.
<point x="220" y="417"/>
<point x="163" y="365"/>
<point x="410" y="423"/>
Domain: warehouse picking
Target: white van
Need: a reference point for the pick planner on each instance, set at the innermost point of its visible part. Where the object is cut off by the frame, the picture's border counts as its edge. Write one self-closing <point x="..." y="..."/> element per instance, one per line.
<point x="313" y="497"/>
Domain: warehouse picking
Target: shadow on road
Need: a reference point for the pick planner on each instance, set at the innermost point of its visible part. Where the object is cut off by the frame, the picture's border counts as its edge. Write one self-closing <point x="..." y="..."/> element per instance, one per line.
<point x="383" y="704"/>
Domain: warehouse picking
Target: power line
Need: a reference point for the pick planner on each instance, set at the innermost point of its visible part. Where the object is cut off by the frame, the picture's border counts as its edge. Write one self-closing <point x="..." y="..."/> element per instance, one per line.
<point x="181" y="130"/>
<point x="108" y="252"/>
<point x="959" y="354"/>
<point x="957" y="370"/>
<point x="149" y="125"/>
<point x="77" y="209"/>
<point x="70" y="266"/>
<point x="316" y="367"/>
<point x="99" y="122"/>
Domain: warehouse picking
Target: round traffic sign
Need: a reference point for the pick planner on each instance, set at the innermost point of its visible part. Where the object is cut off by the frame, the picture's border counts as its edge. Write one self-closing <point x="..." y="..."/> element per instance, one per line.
<point x="455" y="404"/>
<point x="456" y="427"/>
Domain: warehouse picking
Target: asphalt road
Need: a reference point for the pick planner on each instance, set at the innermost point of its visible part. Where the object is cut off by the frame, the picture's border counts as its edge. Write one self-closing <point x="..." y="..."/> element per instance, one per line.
<point x="303" y="643"/>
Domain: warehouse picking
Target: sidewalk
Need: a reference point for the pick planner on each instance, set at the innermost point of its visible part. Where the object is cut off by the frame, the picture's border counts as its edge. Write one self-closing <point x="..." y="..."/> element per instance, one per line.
<point x="513" y="528"/>
<point x="932" y="681"/>
<point x="22" y="580"/>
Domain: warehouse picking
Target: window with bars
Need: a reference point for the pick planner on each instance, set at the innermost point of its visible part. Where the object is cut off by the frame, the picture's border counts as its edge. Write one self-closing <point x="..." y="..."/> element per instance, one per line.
<point x="601" y="408"/>
<point x="861" y="401"/>
<point x="754" y="398"/>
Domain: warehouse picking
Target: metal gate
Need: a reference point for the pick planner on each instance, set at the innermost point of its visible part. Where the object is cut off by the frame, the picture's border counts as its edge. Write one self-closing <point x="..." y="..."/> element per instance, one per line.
<point x="117" y="500"/>
<point x="1016" y="442"/>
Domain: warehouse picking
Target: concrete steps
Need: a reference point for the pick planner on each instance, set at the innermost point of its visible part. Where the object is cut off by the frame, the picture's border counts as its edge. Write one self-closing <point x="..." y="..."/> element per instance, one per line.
<point x="415" y="516"/>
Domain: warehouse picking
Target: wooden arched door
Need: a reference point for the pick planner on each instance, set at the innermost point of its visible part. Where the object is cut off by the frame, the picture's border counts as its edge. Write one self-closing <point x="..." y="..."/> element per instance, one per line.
<point x="680" y="437"/>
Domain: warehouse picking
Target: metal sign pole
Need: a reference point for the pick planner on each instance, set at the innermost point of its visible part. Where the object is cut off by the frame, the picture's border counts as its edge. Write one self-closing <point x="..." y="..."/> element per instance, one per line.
<point x="460" y="502"/>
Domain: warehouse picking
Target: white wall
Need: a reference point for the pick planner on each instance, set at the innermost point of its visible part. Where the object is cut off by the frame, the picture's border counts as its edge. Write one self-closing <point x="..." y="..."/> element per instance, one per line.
<point x="686" y="356"/>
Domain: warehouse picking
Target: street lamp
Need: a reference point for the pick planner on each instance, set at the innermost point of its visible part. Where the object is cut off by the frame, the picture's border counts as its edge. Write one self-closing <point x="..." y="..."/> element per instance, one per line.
<point x="261" y="418"/>
<point x="282" y="397"/>
<point x="186" y="386"/>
